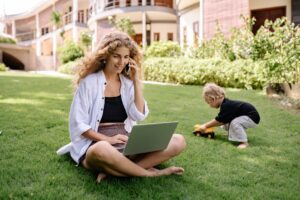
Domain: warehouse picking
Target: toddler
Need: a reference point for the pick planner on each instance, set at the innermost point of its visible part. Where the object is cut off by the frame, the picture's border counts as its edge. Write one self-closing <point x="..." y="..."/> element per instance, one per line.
<point x="235" y="116"/>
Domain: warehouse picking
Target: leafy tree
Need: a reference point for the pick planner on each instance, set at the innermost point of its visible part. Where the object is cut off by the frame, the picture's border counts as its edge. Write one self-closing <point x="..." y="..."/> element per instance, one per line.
<point x="85" y="40"/>
<point x="70" y="51"/>
<point x="123" y="24"/>
<point x="7" y="40"/>
<point x="163" y="49"/>
<point x="56" y="18"/>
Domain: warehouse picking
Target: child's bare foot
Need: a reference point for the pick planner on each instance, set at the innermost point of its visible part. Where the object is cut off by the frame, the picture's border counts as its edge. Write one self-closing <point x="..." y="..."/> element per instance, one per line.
<point x="101" y="176"/>
<point x="168" y="171"/>
<point x="243" y="145"/>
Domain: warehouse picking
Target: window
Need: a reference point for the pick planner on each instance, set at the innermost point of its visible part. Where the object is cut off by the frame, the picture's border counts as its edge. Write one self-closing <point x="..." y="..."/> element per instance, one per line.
<point x="170" y="36"/>
<point x="80" y="16"/>
<point x="45" y="30"/>
<point x="156" y="37"/>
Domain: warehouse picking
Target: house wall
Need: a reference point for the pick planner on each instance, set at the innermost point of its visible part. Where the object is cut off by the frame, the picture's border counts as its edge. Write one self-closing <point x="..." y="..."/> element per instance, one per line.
<point x="163" y="29"/>
<point x="45" y="17"/>
<point x="226" y="12"/>
<point x="47" y="47"/>
<point x="187" y="20"/>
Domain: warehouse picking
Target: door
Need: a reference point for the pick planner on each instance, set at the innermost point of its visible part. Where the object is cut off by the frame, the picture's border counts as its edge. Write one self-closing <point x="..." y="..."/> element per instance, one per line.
<point x="270" y="13"/>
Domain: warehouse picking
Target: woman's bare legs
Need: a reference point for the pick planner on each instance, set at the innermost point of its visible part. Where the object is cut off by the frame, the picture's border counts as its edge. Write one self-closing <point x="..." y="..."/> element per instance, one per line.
<point x="103" y="155"/>
<point x="176" y="146"/>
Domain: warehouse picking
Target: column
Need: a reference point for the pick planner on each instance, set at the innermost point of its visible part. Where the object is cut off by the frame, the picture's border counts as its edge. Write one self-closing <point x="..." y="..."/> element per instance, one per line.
<point x="176" y="6"/>
<point x="54" y="43"/>
<point x="13" y="27"/>
<point x="74" y="20"/>
<point x="144" y="31"/>
<point x="201" y="21"/>
<point x="178" y="29"/>
<point x="38" y="35"/>
<point x="95" y="36"/>
<point x="122" y="3"/>
<point x="144" y="2"/>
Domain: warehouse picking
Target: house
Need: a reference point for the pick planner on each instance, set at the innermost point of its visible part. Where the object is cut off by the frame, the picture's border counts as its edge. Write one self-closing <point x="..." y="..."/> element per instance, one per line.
<point x="186" y="21"/>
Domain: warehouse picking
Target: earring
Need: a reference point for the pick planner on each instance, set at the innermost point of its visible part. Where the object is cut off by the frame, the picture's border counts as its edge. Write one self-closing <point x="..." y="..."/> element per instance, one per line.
<point x="102" y="64"/>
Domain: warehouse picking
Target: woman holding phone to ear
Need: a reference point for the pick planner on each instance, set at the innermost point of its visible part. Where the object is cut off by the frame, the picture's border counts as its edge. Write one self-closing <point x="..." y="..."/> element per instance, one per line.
<point x="107" y="103"/>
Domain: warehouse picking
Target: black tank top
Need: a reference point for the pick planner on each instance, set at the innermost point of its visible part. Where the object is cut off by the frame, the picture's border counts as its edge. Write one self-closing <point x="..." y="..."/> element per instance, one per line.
<point x="114" y="110"/>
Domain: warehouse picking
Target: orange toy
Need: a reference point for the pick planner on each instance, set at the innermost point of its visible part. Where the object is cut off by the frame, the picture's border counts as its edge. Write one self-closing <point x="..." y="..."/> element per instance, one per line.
<point x="209" y="132"/>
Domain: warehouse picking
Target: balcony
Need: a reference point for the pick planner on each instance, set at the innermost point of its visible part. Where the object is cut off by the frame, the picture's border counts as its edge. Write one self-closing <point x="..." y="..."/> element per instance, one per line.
<point x="99" y="6"/>
<point x="25" y="36"/>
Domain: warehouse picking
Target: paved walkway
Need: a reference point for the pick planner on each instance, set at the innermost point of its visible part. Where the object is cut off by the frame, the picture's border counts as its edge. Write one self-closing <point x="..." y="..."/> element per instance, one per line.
<point x="51" y="73"/>
<point x="58" y="74"/>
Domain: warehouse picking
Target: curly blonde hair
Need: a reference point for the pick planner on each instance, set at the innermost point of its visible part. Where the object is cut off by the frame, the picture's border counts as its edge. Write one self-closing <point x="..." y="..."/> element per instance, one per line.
<point x="107" y="46"/>
<point x="212" y="91"/>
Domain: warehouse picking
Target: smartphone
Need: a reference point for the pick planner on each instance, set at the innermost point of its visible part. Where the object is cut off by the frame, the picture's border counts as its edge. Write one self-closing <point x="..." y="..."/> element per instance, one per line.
<point x="127" y="68"/>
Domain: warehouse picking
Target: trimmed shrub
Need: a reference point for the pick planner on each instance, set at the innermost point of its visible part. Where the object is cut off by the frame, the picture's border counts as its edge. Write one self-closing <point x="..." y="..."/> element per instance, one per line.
<point x="238" y="74"/>
<point x="70" y="51"/>
<point x="163" y="49"/>
<point x="7" y="40"/>
<point x="3" y="67"/>
<point x="281" y="50"/>
<point x="68" y="68"/>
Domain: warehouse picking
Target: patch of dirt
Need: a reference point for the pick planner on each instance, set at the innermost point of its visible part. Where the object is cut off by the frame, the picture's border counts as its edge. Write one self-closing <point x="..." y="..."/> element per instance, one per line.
<point x="287" y="103"/>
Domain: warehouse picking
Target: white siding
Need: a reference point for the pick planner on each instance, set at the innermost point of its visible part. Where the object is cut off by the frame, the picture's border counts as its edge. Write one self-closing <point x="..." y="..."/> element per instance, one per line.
<point x="187" y="20"/>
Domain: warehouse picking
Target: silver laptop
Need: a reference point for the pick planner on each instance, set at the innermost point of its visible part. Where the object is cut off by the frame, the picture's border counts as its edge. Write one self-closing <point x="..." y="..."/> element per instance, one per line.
<point x="146" y="138"/>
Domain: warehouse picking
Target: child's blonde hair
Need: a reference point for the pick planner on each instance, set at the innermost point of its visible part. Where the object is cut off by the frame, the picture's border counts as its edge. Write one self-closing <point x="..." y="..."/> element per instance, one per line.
<point x="212" y="91"/>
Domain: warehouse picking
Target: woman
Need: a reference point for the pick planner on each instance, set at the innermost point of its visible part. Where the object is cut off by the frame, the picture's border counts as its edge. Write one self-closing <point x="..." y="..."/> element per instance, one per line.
<point x="107" y="103"/>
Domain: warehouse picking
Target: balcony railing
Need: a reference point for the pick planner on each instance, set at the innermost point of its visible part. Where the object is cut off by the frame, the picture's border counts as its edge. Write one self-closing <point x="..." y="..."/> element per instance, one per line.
<point x="67" y="18"/>
<point x="99" y="6"/>
<point x="30" y="35"/>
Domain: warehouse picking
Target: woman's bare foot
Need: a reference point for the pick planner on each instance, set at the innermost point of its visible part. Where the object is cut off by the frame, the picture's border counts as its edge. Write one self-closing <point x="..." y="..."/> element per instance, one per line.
<point x="243" y="145"/>
<point x="101" y="176"/>
<point x="167" y="171"/>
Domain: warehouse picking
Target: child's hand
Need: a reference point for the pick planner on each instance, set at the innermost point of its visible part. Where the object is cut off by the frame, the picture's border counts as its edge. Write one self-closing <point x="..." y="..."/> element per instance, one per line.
<point x="202" y="128"/>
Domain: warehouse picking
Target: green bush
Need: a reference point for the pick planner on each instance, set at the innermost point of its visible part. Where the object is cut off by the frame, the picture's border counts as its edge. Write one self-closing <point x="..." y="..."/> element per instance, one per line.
<point x="85" y="40"/>
<point x="70" y="51"/>
<point x="276" y="43"/>
<point x="3" y="67"/>
<point x="68" y="68"/>
<point x="237" y="74"/>
<point x="7" y="40"/>
<point x="163" y="49"/>
<point x="237" y="46"/>
<point x="281" y="50"/>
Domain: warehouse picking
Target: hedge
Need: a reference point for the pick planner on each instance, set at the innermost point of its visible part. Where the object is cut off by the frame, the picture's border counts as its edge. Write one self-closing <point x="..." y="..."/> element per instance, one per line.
<point x="238" y="74"/>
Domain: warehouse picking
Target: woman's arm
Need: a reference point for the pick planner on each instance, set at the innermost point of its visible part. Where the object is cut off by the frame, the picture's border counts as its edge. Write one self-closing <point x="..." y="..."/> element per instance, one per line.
<point x="138" y="88"/>
<point x="138" y="96"/>
<point x="117" y="139"/>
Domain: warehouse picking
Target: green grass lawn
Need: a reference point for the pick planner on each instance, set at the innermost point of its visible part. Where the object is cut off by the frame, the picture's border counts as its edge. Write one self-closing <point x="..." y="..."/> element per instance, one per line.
<point x="34" y="124"/>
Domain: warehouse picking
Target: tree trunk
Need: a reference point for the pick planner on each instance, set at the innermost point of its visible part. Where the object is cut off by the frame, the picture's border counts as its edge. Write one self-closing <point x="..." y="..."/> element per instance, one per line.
<point x="287" y="89"/>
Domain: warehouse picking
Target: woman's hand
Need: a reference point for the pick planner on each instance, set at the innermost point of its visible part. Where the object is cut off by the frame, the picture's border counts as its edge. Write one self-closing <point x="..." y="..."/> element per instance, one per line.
<point x="117" y="139"/>
<point x="134" y="70"/>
